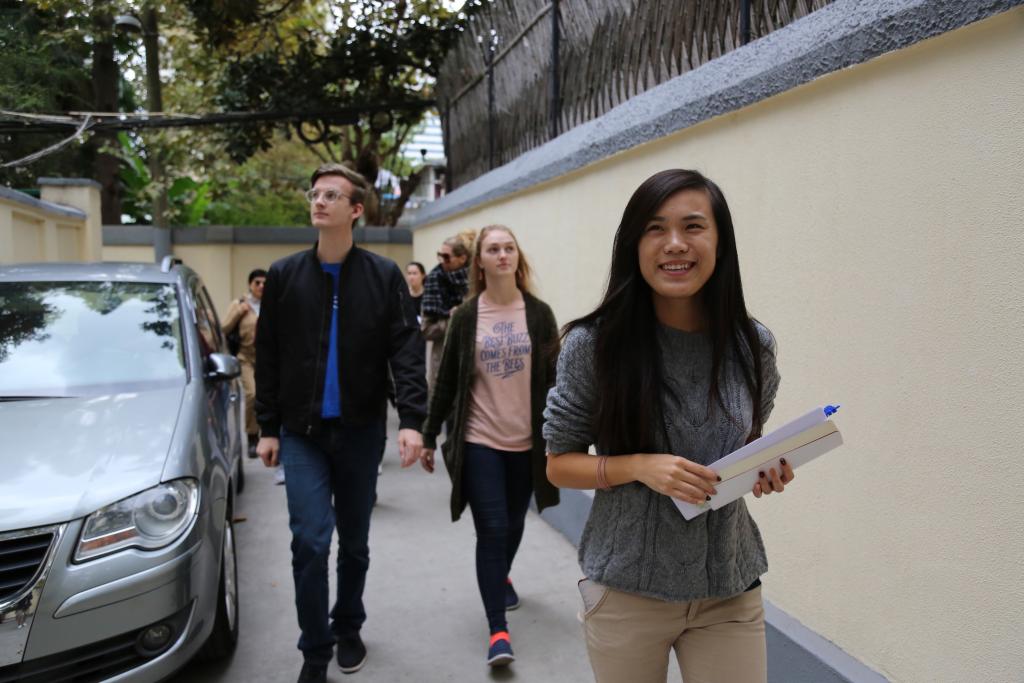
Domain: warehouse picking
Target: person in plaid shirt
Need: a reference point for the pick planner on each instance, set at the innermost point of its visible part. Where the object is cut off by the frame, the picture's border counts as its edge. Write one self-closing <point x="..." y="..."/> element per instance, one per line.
<point x="444" y="289"/>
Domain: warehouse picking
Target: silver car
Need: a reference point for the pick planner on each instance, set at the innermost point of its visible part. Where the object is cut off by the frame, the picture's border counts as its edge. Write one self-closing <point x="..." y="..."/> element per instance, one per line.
<point x="122" y="428"/>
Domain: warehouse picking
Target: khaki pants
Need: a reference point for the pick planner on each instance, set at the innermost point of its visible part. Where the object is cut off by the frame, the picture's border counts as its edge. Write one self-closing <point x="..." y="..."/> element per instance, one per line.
<point x="716" y="640"/>
<point x="249" y="387"/>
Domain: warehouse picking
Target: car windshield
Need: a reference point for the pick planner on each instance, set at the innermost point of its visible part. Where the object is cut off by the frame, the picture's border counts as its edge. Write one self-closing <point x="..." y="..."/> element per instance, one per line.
<point x="88" y="338"/>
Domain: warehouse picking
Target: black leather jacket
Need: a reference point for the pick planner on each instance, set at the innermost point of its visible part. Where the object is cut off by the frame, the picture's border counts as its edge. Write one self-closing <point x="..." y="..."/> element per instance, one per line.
<point x="376" y="329"/>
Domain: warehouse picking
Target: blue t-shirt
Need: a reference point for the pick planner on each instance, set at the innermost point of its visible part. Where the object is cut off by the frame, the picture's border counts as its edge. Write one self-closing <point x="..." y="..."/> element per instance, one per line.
<point x="332" y="387"/>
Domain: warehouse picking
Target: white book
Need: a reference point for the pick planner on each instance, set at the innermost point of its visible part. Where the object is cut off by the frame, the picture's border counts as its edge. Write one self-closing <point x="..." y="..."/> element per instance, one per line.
<point x="798" y="441"/>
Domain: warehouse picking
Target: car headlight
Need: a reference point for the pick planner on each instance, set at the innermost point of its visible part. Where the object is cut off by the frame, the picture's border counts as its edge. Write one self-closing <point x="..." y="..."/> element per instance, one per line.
<point x="148" y="520"/>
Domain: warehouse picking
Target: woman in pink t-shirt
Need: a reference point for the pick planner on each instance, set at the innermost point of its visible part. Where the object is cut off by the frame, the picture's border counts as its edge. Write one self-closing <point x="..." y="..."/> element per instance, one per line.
<point x="496" y="368"/>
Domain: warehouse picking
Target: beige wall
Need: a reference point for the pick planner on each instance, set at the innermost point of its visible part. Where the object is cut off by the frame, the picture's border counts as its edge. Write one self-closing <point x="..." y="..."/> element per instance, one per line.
<point x="84" y="240"/>
<point x="879" y="214"/>
<point x="399" y="253"/>
<point x="225" y="268"/>
<point x="30" y="233"/>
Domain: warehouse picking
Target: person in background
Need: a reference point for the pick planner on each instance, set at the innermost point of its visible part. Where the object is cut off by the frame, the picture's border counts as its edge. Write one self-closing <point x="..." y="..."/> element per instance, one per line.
<point x="496" y="368"/>
<point x="444" y="289"/>
<point x="668" y="374"/>
<point x="415" y="274"/>
<point x="241" y="318"/>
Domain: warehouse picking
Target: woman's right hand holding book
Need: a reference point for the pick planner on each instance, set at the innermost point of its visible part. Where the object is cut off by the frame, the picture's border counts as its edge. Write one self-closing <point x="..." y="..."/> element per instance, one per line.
<point x="674" y="476"/>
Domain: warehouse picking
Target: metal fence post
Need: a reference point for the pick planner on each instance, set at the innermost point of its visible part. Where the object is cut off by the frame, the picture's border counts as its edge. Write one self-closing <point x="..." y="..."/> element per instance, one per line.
<point x="446" y="132"/>
<point x="555" y="105"/>
<point x="491" y="123"/>
<point x="744" y="22"/>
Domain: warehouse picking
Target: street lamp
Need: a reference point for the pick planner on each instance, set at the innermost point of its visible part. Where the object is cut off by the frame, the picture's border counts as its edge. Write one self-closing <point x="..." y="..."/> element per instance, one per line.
<point x="127" y="23"/>
<point x="154" y="99"/>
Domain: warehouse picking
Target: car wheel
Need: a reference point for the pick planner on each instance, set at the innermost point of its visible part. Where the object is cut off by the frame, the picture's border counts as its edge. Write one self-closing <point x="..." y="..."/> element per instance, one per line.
<point x="224" y="638"/>
<point x="240" y="477"/>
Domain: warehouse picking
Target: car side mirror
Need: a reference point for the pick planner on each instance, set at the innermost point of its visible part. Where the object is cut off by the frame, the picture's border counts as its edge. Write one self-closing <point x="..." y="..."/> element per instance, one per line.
<point x="221" y="367"/>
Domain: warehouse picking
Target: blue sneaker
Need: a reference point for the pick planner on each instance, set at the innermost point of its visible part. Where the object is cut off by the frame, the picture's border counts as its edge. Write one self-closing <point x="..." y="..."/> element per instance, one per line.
<point x="500" y="652"/>
<point x="511" y="597"/>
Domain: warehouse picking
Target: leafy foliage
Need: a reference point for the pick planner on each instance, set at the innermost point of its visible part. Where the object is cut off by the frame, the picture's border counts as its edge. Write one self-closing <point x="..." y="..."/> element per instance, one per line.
<point x="374" y="54"/>
<point x="188" y="199"/>
<point x="266" y="189"/>
<point x="42" y="72"/>
<point x="350" y="59"/>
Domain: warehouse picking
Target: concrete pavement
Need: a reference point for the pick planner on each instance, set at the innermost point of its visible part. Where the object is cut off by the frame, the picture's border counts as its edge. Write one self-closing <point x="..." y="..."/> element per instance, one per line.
<point x="425" y="619"/>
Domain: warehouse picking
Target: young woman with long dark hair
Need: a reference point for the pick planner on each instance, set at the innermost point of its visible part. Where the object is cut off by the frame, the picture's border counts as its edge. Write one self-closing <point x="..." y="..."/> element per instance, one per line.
<point x="668" y="374"/>
<point x="496" y="368"/>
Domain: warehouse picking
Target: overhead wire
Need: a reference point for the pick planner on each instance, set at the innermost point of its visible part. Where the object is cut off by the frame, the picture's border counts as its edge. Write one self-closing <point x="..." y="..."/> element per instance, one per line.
<point x="52" y="148"/>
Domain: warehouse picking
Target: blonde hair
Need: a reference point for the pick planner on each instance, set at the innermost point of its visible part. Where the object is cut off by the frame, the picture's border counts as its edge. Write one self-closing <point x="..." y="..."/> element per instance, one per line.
<point x="477" y="278"/>
<point x="462" y="243"/>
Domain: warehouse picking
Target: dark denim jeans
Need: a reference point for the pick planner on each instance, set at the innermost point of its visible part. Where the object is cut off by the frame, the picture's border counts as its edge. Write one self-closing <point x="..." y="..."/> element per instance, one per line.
<point x="339" y="464"/>
<point x="498" y="485"/>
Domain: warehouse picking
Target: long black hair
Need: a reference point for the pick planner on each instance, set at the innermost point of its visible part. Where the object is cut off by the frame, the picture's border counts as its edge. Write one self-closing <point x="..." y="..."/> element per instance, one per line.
<point x="627" y="359"/>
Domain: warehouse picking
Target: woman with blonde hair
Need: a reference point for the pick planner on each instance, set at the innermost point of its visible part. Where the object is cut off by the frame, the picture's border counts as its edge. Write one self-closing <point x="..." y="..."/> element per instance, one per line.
<point x="444" y="288"/>
<point x="496" y="368"/>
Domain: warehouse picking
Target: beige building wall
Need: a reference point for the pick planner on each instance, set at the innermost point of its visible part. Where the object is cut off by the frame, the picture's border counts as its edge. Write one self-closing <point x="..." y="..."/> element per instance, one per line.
<point x="26" y="235"/>
<point x="86" y="239"/>
<point x="31" y="233"/>
<point x="879" y="214"/>
<point x="399" y="253"/>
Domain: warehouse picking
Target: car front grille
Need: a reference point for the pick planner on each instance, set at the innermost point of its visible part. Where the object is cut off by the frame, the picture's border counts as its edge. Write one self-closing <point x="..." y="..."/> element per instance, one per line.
<point x="20" y="560"/>
<point x="95" y="662"/>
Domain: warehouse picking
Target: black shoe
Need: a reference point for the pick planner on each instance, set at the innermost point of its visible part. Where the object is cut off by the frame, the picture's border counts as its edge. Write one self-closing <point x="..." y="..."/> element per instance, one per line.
<point x="511" y="597"/>
<point x="351" y="653"/>
<point x="313" y="673"/>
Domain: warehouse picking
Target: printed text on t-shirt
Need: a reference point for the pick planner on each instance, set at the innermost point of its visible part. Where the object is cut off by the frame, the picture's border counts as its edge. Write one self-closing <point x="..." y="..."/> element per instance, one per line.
<point x="504" y="354"/>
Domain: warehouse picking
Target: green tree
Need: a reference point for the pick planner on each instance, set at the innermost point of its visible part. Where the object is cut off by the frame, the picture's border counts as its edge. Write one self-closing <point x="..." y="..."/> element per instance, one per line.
<point x="330" y="56"/>
<point x="63" y="56"/>
<point x="367" y="66"/>
<point x="266" y="189"/>
<point x="42" y="74"/>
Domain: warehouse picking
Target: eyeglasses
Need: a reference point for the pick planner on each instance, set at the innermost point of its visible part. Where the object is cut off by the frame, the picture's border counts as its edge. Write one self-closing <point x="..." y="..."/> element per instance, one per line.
<point x="329" y="196"/>
<point x="444" y="257"/>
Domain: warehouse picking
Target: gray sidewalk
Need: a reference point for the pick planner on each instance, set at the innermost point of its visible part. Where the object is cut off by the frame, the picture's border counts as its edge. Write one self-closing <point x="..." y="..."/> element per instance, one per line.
<point x="425" y="620"/>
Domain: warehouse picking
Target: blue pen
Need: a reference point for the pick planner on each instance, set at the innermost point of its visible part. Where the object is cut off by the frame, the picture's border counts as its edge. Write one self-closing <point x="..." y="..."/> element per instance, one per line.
<point x="831" y="410"/>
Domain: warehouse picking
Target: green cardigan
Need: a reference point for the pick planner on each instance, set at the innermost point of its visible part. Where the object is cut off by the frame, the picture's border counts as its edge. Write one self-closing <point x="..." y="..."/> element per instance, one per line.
<point x="455" y="379"/>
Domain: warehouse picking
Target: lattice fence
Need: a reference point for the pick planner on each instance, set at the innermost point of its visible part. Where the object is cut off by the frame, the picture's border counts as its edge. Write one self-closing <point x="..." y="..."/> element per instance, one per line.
<point x="607" y="52"/>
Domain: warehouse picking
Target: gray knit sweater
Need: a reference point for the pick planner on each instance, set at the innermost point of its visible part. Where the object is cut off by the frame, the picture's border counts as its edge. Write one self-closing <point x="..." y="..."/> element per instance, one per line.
<point x="635" y="539"/>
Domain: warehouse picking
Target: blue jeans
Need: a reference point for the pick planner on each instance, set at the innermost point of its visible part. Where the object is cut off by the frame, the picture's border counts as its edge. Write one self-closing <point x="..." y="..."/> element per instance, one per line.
<point x="340" y="463"/>
<point x="498" y="485"/>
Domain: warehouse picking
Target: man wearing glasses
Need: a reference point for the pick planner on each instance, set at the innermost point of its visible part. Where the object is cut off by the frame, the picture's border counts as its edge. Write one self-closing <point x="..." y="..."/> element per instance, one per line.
<point x="334" y="320"/>
<point x="444" y="289"/>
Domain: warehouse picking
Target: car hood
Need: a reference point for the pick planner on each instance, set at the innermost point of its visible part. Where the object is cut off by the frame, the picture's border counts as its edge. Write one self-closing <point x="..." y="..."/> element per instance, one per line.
<point x="64" y="458"/>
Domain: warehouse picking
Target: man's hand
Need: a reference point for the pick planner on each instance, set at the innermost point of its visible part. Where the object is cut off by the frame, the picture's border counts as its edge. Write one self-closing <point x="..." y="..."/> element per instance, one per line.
<point x="410" y="443"/>
<point x="268" y="448"/>
<point x="244" y="307"/>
